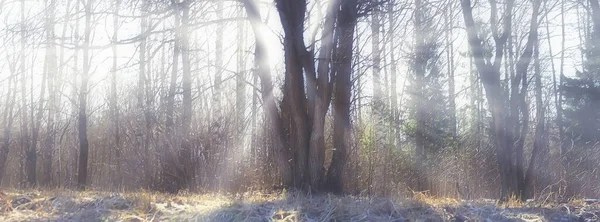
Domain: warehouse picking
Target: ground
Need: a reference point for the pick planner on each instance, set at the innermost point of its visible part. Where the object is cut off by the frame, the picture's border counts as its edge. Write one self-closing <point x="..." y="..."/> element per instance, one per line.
<point x="65" y="205"/>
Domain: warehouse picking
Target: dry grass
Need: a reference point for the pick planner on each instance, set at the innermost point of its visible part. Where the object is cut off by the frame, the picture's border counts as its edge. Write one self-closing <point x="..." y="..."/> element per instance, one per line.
<point x="66" y="205"/>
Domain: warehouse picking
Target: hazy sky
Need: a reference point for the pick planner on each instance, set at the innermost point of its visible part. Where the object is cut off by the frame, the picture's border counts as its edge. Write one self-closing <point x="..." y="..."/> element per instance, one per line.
<point x="203" y="45"/>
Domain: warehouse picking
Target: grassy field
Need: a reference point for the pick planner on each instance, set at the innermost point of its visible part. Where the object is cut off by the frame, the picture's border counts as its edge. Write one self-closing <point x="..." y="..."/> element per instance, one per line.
<point x="65" y="205"/>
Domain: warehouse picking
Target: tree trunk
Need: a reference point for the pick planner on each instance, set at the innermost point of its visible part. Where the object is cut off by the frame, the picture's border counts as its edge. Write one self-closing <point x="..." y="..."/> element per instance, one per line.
<point x="52" y="70"/>
<point x="539" y="143"/>
<point x="521" y="68"/>
<point x="319" y="91"/>
<point x="170" y="169"/>
<point x="341" y="128"/>
<point x="114" y="108"/>
<point x="186" y="154"/>
<point x="451" y="85"/>
<point x="420" y="67"/>
<point x="378" y="102"/>
<point x="83" y="90"/>
<point x="395" y="113"/>
<point x="489" y="73"/>
<point x="294" y="104"/>
<point x="7" y="122"/>
<point x="282" y="153"/>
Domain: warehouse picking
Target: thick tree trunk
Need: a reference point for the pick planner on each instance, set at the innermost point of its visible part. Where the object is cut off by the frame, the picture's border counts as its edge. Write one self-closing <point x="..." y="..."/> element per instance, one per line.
<point x="294" y="104"/>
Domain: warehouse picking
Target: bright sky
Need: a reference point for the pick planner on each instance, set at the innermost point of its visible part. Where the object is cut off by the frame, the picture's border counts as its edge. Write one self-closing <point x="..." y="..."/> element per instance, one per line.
<point x="203" y="41"/>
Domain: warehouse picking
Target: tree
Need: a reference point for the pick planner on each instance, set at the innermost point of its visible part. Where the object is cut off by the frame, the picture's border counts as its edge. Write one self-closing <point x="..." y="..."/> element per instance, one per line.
<point x="504" y="120"/>
<point x="30" y="155"/>
<point x="185" y="155"/>
<point x="273" y="119"/>
<point x="83" y="91"/>
<point x="114" y="107"/>
<point x="7" y="119"/>
<point x="347" y="20"/>
<point x="171" y="172"/>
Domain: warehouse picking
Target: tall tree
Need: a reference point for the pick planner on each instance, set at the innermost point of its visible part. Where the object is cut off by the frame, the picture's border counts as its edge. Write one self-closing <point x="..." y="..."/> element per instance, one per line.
<point x="346" y="25"/>
<point x="378" y="101"/>
<point x="51" y="70"/>
<point x="171" y="174"/>
<point x="83" y="91"/>
<point x="7" y="119"/>
<point x="186" y="154"/>
<point x="25" y="140"/>
<point x="114" y="107"/>
<point x="273" y="119"/>
<point x="504" y="120"/>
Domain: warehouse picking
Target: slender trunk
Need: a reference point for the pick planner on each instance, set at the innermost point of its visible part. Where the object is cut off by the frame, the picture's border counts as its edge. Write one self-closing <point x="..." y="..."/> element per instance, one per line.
<point x="451" y="85"/>
<point x="282" y="153"/>
<point x="144" y="93"/>
<point x="7" y="123"/>
<point x="378" y="104"/>
<point x="539" y="143"/>
<point x="557" y="93"/>
<point x="521" y="68"/>
<point x="320" y="97"/>
<point x="52" y="70"/>
<point x="240" y="86"/>
<point x="420" y="67"/>
<point x="25" y="141"/>
<point x="170" y="180"/>
<point x="489" y="73"/>
<point x="83" y="91"/>
<point x="116" y="146"/>
<point x="341" y="128"/>
<point x="186" y="154"/>
<point x="216" y="142"/>
<point x="395" y="115"/>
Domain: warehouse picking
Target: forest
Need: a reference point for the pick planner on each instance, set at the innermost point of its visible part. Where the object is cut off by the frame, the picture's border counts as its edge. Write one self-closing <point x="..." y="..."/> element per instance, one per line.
<point x="464" y="99"/>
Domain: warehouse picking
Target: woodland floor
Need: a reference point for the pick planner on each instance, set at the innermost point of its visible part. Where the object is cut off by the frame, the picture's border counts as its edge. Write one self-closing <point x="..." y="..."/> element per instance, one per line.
<point x="64" y="205"/>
